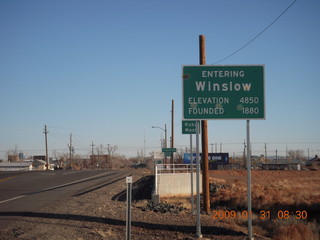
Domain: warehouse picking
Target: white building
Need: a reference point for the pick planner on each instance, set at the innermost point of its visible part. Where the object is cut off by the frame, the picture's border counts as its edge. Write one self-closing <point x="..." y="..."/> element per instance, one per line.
<point x="16" y="166"/>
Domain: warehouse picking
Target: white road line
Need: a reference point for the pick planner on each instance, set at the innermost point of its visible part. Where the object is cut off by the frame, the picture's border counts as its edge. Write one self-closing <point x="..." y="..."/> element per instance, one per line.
<point x="68" y="173"/>
<point x="11" y="199"/>
<point x="66" y="184"/>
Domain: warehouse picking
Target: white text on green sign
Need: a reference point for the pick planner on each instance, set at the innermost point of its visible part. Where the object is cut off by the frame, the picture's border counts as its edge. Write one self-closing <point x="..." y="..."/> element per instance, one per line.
<point x="169" y="150"/>
<point x="189" y="127"/>
<point x="223" y="92"/>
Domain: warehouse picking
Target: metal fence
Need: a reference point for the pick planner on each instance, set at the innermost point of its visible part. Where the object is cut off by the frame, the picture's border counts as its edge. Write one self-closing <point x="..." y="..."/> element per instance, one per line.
<point x="173" y="168"/>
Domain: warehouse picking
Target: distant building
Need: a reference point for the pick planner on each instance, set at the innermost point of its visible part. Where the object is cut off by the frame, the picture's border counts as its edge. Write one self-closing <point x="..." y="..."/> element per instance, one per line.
<point x="39" y="157"/>
<point x="41" y="165"/>
<point x="281" y="166"/>
<point x="314" y="163"/>
<point x="16" y="166"/>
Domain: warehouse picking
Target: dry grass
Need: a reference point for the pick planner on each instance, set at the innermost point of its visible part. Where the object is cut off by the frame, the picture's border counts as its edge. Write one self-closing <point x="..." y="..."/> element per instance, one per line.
<point x="105" y="234"/>
<point x="268" y="189"/>
<point x="141" y="203"/>
<point x="297" y="231"/>
<point x="273" y="191"/>
<point x="286" y="229"/>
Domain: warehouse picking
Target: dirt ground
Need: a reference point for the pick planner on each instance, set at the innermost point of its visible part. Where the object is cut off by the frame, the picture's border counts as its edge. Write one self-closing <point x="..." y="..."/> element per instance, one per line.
<point x="96" y="216"/>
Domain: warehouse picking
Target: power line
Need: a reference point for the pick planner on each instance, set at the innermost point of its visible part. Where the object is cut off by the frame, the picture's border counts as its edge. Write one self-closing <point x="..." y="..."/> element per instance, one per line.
<point x="265" y="29"/>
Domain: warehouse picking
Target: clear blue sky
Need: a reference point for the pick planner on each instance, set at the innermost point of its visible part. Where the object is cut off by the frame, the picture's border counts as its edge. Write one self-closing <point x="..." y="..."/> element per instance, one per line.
<point x="106" y="71"/>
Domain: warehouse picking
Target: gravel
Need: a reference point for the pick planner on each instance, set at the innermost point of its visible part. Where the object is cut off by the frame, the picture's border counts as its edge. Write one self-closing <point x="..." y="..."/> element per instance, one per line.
<point x="162" y="208"/>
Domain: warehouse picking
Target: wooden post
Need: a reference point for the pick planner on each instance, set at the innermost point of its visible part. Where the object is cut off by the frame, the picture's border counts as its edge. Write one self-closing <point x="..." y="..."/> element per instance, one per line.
<point x="204" y="138"/>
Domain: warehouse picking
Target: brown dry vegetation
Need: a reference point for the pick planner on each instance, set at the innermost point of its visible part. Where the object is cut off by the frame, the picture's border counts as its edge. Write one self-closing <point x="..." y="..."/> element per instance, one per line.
<point x="272" y="191"/>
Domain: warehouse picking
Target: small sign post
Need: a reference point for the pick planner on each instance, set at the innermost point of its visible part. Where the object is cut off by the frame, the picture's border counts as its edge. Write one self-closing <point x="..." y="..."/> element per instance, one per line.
<point x="128" y="215"/>
<point x="249" y="182"/>
<point x="190" y="127"/>
<point x="199" y="235"/>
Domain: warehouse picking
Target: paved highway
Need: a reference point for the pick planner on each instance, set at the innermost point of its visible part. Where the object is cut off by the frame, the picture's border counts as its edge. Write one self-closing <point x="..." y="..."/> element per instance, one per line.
<point x="30" y="191"/>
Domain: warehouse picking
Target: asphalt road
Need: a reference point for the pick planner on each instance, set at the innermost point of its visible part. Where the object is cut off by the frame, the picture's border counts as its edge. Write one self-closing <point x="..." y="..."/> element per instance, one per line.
<point x="30" y="191"/>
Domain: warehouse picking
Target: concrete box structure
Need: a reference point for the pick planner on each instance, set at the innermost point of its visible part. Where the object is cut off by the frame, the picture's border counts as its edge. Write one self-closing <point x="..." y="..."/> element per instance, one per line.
<point x="178" y="184"/>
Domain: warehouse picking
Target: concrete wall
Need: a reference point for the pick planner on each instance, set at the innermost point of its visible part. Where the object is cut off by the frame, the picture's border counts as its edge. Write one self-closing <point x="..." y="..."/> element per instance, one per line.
<point x="177" y="184"/>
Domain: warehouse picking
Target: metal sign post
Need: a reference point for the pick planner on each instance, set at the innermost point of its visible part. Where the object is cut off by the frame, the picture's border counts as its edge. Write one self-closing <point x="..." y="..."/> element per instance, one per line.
<point x="198" y="180"/>
<point x="249" y="182"/>
<point x="191" y="173"/>
<point x="189" y="127"/>
<point x="128" y="215"/>
<point x="221" y="92"/>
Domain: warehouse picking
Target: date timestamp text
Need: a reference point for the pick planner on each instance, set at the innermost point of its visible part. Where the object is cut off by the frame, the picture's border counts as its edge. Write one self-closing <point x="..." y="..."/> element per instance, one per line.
<point x="281" y="214"/>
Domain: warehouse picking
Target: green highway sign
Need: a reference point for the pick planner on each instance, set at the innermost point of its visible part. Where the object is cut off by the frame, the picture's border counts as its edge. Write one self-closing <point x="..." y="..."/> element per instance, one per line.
<point x="189" y="127"/>
<point x="223" y="92"/>
<point x="169" y="150"/>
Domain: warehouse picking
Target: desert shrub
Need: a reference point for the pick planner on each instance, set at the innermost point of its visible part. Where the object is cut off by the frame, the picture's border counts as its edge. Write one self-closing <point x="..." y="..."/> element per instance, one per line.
<point x="291" y="229"/>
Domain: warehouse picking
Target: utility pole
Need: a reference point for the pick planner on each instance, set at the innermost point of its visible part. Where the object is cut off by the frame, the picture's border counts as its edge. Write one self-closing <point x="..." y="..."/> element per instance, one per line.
<point x="204" y="138"/>
<point x="172" y="129"/>
<point x="92" y="152"/>
<point x="92" y="155"/>
<point x="265" y="153"/>
<point x="46" y="142"/>
<point x="165" y="136"/>
<point x="70" y="150"/>
<point x="109" y="157"/>
<point x="165" y="142"/>
<point x="144" y="144"/>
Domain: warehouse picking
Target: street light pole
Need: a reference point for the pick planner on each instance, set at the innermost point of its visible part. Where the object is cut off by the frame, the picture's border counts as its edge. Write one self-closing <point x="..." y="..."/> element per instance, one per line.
<point x="165" y="138"/>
